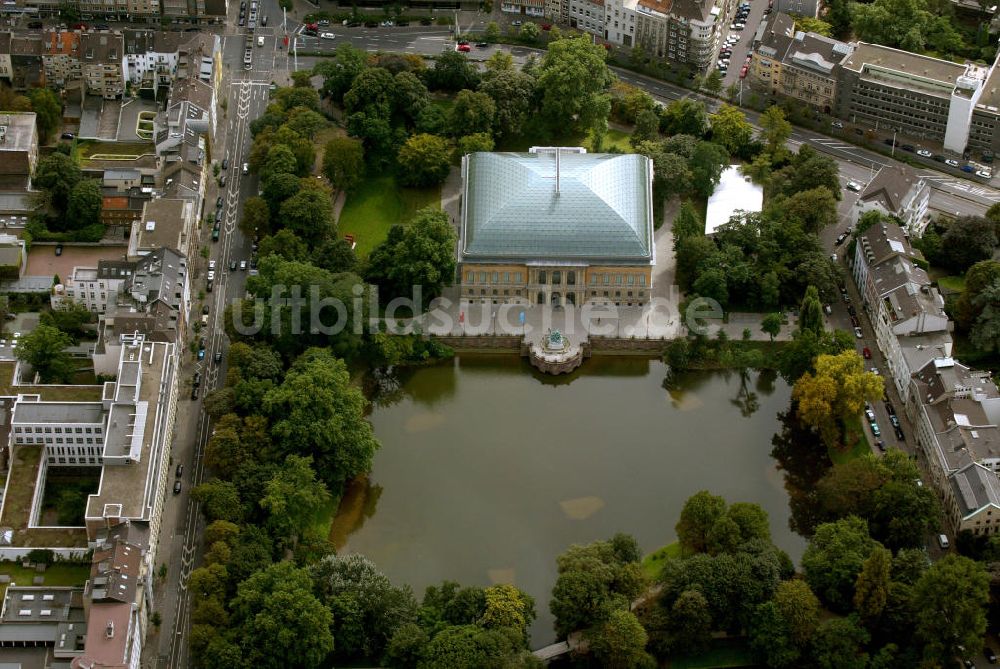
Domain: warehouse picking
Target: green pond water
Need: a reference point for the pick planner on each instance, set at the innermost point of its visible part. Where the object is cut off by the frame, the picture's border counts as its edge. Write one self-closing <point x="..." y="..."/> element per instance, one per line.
<point x="488" y="470"/>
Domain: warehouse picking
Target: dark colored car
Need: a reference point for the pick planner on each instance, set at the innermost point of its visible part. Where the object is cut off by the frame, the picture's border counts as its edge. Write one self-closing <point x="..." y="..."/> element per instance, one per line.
<point x="218" y="202"/>
<point x="59" y="249"/>
<point x="204" y="310"/>
<point x="990" y="656"/>
<point x="180" y="470"/>
<point x="889" y="141"/>
<point x="938" y="157"/>
<point x="215" y="234"/>
<point x="225" y="163"/>
<point x="402" y="24"/>
<point x="859" y="131"/>
<point x="894" y="419"/>
<point x="889" y="409"/>
<point x="102" y="26"/>
<point x="482" y="45"/>
<point x="194" y="394"/>
<point x="68" y="135"/>
<point x="900" y="435"/>
<point x="851" y="310"/>
<point x="881" y="445"/>
<point x="177" y="487"/>
<point x="218" y="357"/>
<point x="232" y="266"/>
<point x="371" y="24"/>
<point x="196" y="381"/>
<point x="968" y="168"/>
<point x="908" y="147"/>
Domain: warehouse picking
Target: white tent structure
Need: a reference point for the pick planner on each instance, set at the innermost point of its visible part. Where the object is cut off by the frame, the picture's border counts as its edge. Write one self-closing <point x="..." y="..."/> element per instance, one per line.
<point x="735" y="193"/>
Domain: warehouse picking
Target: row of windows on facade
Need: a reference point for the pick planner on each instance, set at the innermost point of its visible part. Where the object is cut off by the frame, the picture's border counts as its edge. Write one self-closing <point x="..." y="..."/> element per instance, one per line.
<point x="888" y="94"/>
<point x="556" y="278"/>
<point x="30" y="439"/>
<point x="908" y="122"/>
<point x="58" y="430"/>
<point x="76" y="461"/>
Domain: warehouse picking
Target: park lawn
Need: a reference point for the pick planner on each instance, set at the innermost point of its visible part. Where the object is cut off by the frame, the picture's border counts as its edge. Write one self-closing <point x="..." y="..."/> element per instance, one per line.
<point x="951" y="284"/>
<point x="652" y="564"/>
<point x="379" y="203"/>
<point x="733" y="653"/>
<point x="84" y="149"/>
<point x="857" y="437"/>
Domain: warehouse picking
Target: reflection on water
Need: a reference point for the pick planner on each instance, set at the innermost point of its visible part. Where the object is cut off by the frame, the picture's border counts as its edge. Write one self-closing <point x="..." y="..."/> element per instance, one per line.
<point x="489" y="471"/>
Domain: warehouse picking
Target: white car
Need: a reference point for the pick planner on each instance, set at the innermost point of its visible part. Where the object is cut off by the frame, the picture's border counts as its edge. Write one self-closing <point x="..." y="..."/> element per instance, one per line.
<point x="983" y="173"/>
<point x="211" y="265"/>
<point x="858" y="333"/>
<point x="924" y="153"/>
<point x="327" y="36"/>
<point x="246" y="168"/>
<point x="950" y="162"/>
<point x="854" y="186"/>
<point x="211" y="275"/>
<point x="837" y="124"/>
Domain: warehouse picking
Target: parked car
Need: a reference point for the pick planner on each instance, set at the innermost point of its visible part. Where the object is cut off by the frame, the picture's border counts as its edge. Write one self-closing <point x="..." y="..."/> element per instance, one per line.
<point x="322" y="22"/>
<point x="924" y="153"/>
<point x="327" y="36"/>
<point x="225" y="163"/>
<point x="59" y="249"/>
<point x="211" y="265"/>
<point x="858" y="334"/>
<point x="889" y="409"/>
<point x="841" y="238"/>
<point x="991" y="657"/>
<point x="894" y="419"/>
<point x="853" y="186"/>
<point x="179" y="471"/>
<point x="67" y="135"/>
<point x="743" y="72"/>
<point x="837" y="124"/>
<point x="195" y="381"/>
<point x="243" y="265"/>
<point x="983" y="173"/>
<point x="515" y="23"/>
<point x="482" y="45"/>
<point x="218" y="357"/>
<point x="215" y="233"/>
<point x="968" y="169"/>
<point x="232" y="266"/>
<point x="464" y="48"/>
<point x="870" y="415"/>
<point x="218" y="202"/>
<point x="201" y="354"/>
<point x="855" y="322"/>
<point x="866" y="353"/>
<point x="880" y="444"/>
<point x="877" y="432"/>
<point x="222" y="181"/>
<point x="35" y="25"/>
<point x="177" y="484"/>
<point x="908" y="147"/>
<point x="899" y="434"/>
<point x="951" y="162"/>
<point x="874" y="370"/>
<point x="211" y="275"/>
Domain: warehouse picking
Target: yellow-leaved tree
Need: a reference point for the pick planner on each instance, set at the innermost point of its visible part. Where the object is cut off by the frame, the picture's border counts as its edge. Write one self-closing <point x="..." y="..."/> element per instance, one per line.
<point x="836" y="392"/>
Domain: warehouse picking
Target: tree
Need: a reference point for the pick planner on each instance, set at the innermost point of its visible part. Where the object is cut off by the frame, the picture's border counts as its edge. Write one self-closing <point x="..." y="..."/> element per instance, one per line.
<point x="835" y="393"/>
<point x="425" y="160"/>
<point x="44" y="350"/>
<point x="367" y="608"/>
<point x="284" y="244"/>
<point x="492" y="33"/>
<point x="985" y="334"/>
<point x="508" y="607"/>
<point x="280" y="622"/>
<point x="731" y="129"/>
<point x="770" y="637"/>
<point x="291" y="497"/>
<point x="511" y="91"/>
<point x="410" y="97"/>
<point x="813" y="209"/>
<point x="950" y="601"/>
<point x="700" y="513"/>
<point x="687" y="223"/>
<point x="256" y="217"/>
<point x="280" y="160"/>
<point x="452" y="71"/>
<point x="685" y="116"/>
<point x="68" y="316"/>
<point x="593" y="581"/>
<point x="48" y="112"/>
<point x="807" y="170"/>
<point x="316" y="411"/>
<point x="83" y="209"/>
<point x="472" y="112"/>
<point x="834" y="558"/>
<point x="344" y="162"/>
<point x="278" y="188"/>
<point x="968" y="240"/>
<point x="978" y="277"/>
<point x="573" y="79"/>
<point x="771" y="324"/>
<point x="713" y="82"/>
<point x="474" y="143"/>
<point x="530" y="32"/>
<point x="707" y="163"/>
<point x="691" y="622"/>
<point x="871" y="591"/>
<point x="421" y="254"/>
<point x="309" y="214"/>
<point x="647" y="127"/>
<point x="305" y="122"/>
<point x="620" y="642"/>
<point x="811" y="312"/>
<point x="220" y="500"/>
<point x="838" y="644"/>
<point x="57" y="174"/>
<point x="467" y="647"/>
<point x="800" y="609"/>
<point x="339" y="72"/>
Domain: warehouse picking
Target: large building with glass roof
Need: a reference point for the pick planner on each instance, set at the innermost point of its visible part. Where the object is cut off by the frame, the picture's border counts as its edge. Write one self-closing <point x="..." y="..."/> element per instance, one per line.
<point x="557" y="226"/>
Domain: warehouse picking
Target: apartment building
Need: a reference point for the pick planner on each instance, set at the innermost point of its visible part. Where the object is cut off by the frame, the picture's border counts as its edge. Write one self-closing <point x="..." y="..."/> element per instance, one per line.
<point x="896" y="191"/>
<point x="796" y="64"/>
<point x="972" y="500"/>
<point x="587" y="15"/>
<point x="808" y="8"/>
<point x="534" y="8"/>
<point x="619" y="21"/>
<point x="104" y="63"/>
<point x="6" y="69"/>
<point x="985" y="122"/>
<point x="906" y="311"/>
<point x="61" y="57"/>
<point x="165" y="223"/>
<point x="195" y="11"/>
<point x="919" y="96"/>
<point x="18" y="150"/>
<point x="152" y="57"/>
<point x="26" y="50"/>
<point x="41" y="624"/>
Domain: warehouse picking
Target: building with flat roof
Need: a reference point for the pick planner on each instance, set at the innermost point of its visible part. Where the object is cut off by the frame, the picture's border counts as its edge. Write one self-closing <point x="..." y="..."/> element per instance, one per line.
<point x="734" y="195"/>
<point x="985" y="120"/>
<point x="50" y="618"/>
<point x="13" y="257"/>
<point x="165" y="223"/>
<point x="556" y="226"/>
<point x="899" y="192"/>
<point x="919" y="96"/>
<point x="104" y="63"/>
<point x="18" y="150"/>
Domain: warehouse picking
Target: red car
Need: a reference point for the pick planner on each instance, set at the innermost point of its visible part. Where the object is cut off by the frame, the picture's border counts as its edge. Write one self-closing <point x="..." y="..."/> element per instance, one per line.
<point x="867" y="352"/>
<point x="464" y="47"/>
<point x="743" y="72"/>
<point x="546" y="26"/>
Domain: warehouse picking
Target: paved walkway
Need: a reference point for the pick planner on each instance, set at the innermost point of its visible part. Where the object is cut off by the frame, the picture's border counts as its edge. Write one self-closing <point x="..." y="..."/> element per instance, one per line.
<point x="738" y="322"/>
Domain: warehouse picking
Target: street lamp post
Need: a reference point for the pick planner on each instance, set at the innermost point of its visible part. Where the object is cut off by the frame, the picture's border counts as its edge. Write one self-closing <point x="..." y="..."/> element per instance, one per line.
<point x="893" y="152"/>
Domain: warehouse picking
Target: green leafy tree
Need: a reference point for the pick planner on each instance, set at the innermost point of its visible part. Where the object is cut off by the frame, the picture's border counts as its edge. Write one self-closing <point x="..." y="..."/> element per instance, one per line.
<point x="309" y="213"/>
<point x="508" y="607"/>
<point x="800" y="609"/>
<point x="284" y="244"/>
<point x="339" y="72"/>
<point x="256" y="217"/>
<point x="512" y="92"/>
<point x="835" y="393"/>
<point x="771" y="639"/>
<point x="305" y="122"/>
<point x="811" y="312"/>
<point x="280" y="622"/>
<point x="277" y="189"/>
<point x="771" y="324"/>
<point x="473" y="143"/>
<point x="367" y="608"/>
<point x="713" y="82"/>
<point x="950" y="601"/>
<point x="344" y="162"/>
<point x="421" y="254"/>
<point x="220" y="500"/>
<point x="647" y="127"/>
<point x="620" y="642"/>
<point x="731" y="129"/>
<point x="687" y="223"/>
<point x="685" y="116"/>
<point x="57" y="174"/>
<point x="492" y="33"/>
<point x="424" y="160"/>
<point x="839" y="644"/>
<point x="968" y="306"/>
<point x="871" y="591"/>
<point x="471" y="112"/>
<point x="707" y="163"/>
<point x="48" y="112"/>
<point x="44" y="350"/>
<point x="317" y="411"/>
<point x="467" y="647"/>
<point x="807" y="170"/>
<point x="69" y="317"/>
<point x="700" y="513"/>
<point x="530" y="32"/>
<point x="84" y="207"/>
<point x="280" y="160"/>
<point x="452" y="71"/>
<point x="410" y="97"/>
<point x="834" y="558"/>
<point x="573" y="79"/>
<point x="691" y="622"/>
<point x="292" y="496"/>
<point x="968" y="240"/>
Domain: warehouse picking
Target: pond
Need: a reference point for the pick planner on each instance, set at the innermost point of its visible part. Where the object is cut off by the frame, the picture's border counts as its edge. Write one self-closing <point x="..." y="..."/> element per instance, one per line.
<point x="488" y="471"/>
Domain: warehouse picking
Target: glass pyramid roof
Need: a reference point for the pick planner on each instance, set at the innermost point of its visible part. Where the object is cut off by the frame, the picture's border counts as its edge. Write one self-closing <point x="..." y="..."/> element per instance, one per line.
<point x="601" y="209"/>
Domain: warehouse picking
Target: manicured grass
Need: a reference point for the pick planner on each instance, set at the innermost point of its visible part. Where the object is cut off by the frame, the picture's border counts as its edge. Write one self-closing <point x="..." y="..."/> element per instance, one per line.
<point x="78" y="393"/>
<point x="951" y="284"/>
<point x="59" y="574"/>
<point x="652" y="564"/>
<point x="725" y="654"/>
<point x="378" y="204"/>
<point x="856" y="436"/>
<point x="21" y="486"/>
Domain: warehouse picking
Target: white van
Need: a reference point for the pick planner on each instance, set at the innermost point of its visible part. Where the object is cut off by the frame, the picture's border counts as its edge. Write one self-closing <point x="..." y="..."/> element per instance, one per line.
<point x="260" y="41"/>
<point x="943" y="541"/>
